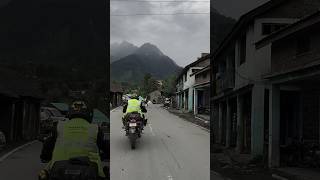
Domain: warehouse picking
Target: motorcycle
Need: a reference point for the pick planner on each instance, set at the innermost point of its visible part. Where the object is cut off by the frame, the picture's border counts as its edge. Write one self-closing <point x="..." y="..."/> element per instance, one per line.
<point x="80" y="168"/>
<point x="166" y="103"/>
<point x="134" y="126"/>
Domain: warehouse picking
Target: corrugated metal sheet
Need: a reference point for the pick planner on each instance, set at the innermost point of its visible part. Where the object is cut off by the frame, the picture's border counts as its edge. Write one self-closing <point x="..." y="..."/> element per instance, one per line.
<point x="61" y="106"/>
<point x="99" y="117"/>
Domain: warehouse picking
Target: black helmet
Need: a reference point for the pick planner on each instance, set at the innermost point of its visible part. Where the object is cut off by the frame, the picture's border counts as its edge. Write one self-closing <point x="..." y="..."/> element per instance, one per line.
<point x="134" y="96"/>
<point x="80" y="109"/>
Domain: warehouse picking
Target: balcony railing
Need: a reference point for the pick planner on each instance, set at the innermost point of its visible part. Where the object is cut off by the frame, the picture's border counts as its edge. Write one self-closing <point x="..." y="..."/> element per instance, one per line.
<point x="225" y="82"/>
<point x="179" y="87"/>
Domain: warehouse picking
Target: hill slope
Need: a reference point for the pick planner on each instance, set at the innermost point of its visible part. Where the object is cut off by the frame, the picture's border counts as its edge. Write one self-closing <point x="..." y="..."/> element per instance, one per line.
<point x="121" y="50"/>
<point x="147" y="59"/>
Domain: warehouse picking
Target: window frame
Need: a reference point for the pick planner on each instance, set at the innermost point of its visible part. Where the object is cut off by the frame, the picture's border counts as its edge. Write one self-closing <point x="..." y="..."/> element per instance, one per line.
<point x="306" y="40"/>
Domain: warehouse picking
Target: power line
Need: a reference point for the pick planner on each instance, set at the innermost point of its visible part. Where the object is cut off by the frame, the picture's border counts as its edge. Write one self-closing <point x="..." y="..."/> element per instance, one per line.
<point x="134" y="1"/>
<point x="160" y="14"/>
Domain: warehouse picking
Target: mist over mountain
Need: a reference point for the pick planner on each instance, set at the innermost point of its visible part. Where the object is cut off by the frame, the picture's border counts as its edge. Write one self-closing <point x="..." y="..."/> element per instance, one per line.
<point x="146" y="59"/>
<point x="120" y="50"/>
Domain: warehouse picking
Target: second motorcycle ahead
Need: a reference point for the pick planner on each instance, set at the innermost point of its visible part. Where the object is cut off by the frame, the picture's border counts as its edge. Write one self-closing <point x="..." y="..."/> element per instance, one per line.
<point x="133" y="126"/>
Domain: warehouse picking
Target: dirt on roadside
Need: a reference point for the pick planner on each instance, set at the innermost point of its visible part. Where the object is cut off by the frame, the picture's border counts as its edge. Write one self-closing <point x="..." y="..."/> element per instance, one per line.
<point x="189" y="117"/>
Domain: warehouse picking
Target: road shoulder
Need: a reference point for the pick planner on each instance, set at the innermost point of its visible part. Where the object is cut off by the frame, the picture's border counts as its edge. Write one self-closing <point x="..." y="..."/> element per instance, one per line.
<point x="14" y="148"/>
<point x="190" y="118"/>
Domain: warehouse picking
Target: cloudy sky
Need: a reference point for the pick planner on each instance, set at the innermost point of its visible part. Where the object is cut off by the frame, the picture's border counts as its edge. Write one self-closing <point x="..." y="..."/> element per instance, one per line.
<point x="181" y="37"/>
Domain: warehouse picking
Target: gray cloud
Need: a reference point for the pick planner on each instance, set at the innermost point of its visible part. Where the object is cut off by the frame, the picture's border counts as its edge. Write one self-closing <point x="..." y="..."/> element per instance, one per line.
<point x="181" y="37"/>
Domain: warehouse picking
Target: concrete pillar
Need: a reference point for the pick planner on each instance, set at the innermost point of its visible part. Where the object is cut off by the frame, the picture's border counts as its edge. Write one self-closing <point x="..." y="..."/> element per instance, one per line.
<point x="24" y="120"/>
<point x="12" y="129"/>
<point x="177" y="100"/>
<point x="182" y="100"/>
<point x="220" y="122"/>
<point x="274" y="127"/>
<point x="257" y="120"/>
<point x="190" y="100"/>
<point x="239" y="123"/>
<point x="228" y="124"/>
<point x="195" y="103"/>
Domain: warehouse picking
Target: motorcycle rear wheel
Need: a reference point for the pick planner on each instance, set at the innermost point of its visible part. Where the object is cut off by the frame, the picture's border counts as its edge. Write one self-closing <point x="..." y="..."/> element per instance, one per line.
<point x="133" y="144"/>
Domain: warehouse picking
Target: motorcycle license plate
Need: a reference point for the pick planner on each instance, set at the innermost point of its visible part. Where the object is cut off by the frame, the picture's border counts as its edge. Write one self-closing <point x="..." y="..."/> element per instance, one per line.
<point x="72" y="172"/>
<point x="132" y="124"/>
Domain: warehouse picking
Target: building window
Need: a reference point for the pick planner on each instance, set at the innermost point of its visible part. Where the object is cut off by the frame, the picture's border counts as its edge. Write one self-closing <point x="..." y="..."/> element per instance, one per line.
<point x="204" y="75"/>
<point x="185" y="77"/>
<point x="268" y="28"/>
<point x="243" y="43"/>
<point x="303" y="45"/>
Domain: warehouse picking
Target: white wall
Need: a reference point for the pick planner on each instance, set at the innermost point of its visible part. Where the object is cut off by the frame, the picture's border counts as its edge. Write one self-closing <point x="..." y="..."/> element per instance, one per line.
<point x="190" y="80"/>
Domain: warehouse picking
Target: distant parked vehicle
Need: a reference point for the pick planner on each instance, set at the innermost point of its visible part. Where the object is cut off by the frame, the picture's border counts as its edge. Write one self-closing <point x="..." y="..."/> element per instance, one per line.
<point x="52" y="114"/>
<point x="49" y="117"/>
<point x="2" y="140"/>
<point x="167" y="102"/>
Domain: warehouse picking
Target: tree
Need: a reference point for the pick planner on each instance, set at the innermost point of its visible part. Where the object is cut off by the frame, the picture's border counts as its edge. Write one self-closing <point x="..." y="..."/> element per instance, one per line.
<point x="169" y="86"/>
<point x="149" y="85"/>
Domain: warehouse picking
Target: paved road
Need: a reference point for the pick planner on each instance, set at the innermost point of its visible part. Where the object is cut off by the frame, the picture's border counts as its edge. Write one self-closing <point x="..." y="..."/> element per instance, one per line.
<point x="215" y="176"/>
<point x="170" y="149"/>
<point x="24" y="164"/>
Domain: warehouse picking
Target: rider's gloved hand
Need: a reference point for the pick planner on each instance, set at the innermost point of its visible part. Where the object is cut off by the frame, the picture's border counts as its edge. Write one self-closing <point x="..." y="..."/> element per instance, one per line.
<point x="43" y="175"/>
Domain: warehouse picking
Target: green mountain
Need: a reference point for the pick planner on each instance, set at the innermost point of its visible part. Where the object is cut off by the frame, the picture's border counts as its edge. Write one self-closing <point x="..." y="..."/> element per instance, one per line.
<point x="147" y="59"/>
<point x="121" y="50"/>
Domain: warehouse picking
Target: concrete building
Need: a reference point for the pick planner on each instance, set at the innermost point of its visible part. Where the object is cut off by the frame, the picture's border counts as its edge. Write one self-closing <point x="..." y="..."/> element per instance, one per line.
<point x="186" y="82"/>
<point x="62" y="107"/>
<point x="116" y="93"/>
<point x="294" y="87"/>
<point x="202" y="91"/>
<point x="241" y="95"/>
<point x="20" y="99"/>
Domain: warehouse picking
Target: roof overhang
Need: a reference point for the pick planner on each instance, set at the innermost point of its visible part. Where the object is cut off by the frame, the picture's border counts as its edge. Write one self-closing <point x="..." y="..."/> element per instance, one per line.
<point x="244" y="21"/>
<point x="207" y="68"/>
<point x="291" y="29"/>
<point x="309" y="70"/>
<point x="185" y="69"/>
<point x="202" y="85"/>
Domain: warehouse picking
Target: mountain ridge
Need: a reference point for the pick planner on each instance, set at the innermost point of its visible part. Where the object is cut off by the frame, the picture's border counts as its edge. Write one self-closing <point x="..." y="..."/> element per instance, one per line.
<point x="148" y="58"/>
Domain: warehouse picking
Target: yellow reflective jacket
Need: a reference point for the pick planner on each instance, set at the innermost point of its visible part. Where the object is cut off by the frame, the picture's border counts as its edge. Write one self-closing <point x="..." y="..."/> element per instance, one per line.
<point x="76" y="138"/>
<point x="133" y="106"/>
